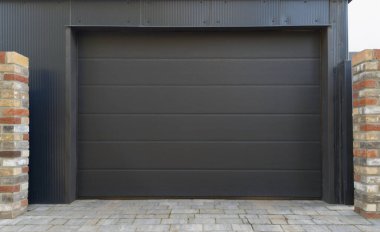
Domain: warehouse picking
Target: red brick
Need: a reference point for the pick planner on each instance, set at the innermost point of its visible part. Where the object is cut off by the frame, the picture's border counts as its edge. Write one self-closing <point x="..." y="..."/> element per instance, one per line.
<point x="16" y="112"/>
<point x="359" y="152"/>
<point x="367" y="101"/>
<point x="9" y="188"/>
<point x="371" y="215"/>
<point x="25" y="137"/>
<point x="357" y="177"/>
<point x="366" y="153"/>
<point x="24" y="202"/>
<point x="25" y="169"/>
<point x="364" y="84"/>
<point x="2" y="57"/>
<point x="15" y="77"/>
<point x="370" y="127"/>
<point x="10" y="120"/>
<point x="356" y="103"/>
<point x="371" y="154"/>
<point x="10" y="154"/>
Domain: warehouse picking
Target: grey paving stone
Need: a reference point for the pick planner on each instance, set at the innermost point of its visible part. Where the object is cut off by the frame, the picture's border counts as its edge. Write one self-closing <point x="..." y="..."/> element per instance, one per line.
<point x="35" y="221"/>
<point x="298" y="217"/>
<point x="234" y="211"/>
<point x="368" y="228"/>
<point x="346" y="212"/>
<point x="339" y="207"/>
<point x="355" y="220"/>
<point x="117" y="228"/>
<point x="258" y="221"/>
<point x="152" y="216"/>
<point x="374" y="221"/>
<point x="58" y="221"/>
<point x="190" y="215"/>
<point x="212" y="211"/>
<point x="86" y="228"/>
<point x="181" y="215"/>
<point x="158" y="211"/>
<point x="125" y="221"/>
<point x="279" y="211"/>
<point x="217" y="227"/>
<point x="35" y="228"/>
<point x="104" y="222"/>
<point x="147" y="221"/>
<point x="277" y="221"/>
<point x="305" y="212"/>
<point x="202" y="220"/>
<point x="185" y="211"/>
<point x="229" y="221"/>
<point x="315" y="228"/>
<point x="241" y="227"/>
<point x="343" y="228"/>
<point x="274" y="216"/>
<point x="153" y="228"/>
<point x="11" y="221"/>
<point x="300" y="222"/>
<point x="76" y="222"/>
<point x="328" y="212"/>
<point x="292" y="228"/>
<point x="258" y="211"/>
<point x="11" y="228"/>
<point x="335" y="220"/>
<point x="267" y="228"/>
<point x="171" y="221"/>
<point x="189" y="227"/>
<point x="216" y="216"/>
<point x="62" y="228"/>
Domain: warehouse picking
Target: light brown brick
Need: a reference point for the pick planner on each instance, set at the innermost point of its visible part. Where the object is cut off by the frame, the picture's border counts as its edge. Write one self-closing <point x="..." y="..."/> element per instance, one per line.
<point x="16" y="58"/>
<point x="366" y="55"/>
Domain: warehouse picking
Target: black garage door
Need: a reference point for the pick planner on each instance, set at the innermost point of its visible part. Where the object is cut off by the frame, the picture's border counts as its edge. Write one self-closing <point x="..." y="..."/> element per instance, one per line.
<point x="199" y="114"/>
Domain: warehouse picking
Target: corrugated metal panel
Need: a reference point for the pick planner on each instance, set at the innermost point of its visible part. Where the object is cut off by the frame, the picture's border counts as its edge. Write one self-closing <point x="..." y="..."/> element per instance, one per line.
<point x="35" y="29"/>
<point x="312" y="12"/>
<point x="175" y="13"/>
<point x="100" y="12"/>
<point x="246" y="13"/>
<point x="200" y="13"/>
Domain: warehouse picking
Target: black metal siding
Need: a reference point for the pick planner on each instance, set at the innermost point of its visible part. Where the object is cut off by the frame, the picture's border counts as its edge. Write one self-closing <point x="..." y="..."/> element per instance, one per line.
<point x="204" y="13"/>
<point x="36" y="29"/>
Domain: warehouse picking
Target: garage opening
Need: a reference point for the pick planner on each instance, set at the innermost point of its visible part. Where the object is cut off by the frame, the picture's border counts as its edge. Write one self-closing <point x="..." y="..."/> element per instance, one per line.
<point x="199" y="114"/>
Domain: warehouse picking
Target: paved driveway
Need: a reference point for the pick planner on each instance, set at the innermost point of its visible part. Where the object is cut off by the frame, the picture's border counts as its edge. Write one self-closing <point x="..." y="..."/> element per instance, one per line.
<point x="190" y="215"/>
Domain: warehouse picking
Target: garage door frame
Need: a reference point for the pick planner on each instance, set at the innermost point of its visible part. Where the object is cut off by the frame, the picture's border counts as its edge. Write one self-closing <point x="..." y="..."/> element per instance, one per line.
<point x="327" y="109"/>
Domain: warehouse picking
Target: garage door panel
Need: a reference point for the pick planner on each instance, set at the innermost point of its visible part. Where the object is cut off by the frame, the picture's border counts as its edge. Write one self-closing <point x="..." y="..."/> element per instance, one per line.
<point x="199" y="183"/>
<point x="272" y="44"/>
<point x="195" y="99"/>
<point x="198" y="127"/>
<point x="199" y="72"/>
<point x="195" y="155"/>
<point x="199" y="113"/>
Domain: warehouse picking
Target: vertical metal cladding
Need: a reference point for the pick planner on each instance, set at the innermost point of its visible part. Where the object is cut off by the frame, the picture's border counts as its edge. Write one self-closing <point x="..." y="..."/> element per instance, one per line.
<point x="36" y="29"/>
<point x="200" y="13"/>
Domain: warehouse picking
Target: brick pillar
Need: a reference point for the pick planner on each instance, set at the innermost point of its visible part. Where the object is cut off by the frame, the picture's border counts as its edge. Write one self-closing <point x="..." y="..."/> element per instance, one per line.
<point x="366" y="119"/>
<point x="14" y="134"/>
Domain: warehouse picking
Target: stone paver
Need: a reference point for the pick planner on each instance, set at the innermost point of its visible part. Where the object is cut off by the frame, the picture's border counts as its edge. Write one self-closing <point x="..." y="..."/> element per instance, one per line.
<point x="191" y="215"/>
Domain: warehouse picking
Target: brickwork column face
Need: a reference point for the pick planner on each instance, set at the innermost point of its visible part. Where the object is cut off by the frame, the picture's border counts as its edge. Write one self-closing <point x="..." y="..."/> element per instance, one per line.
<point x="14" y="134"/>
<point x="366" y="119"/>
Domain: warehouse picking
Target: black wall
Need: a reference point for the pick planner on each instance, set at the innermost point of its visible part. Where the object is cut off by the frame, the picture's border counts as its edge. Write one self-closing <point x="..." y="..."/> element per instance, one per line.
<point x="36" y="29"/>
